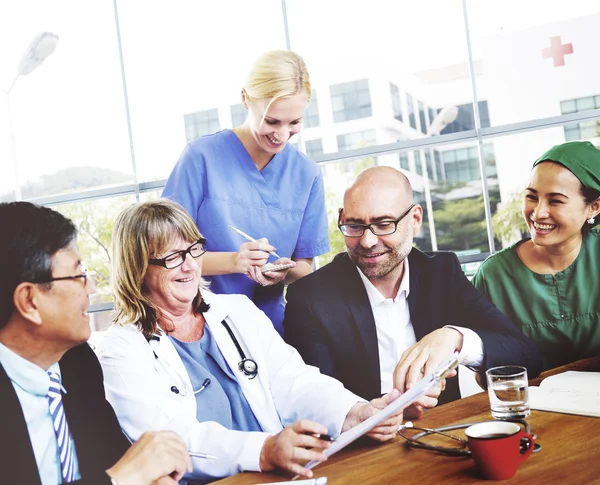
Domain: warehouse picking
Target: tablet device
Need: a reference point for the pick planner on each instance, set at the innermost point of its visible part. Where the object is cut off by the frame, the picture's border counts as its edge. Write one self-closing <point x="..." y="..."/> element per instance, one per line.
<point x="403" y="401"/>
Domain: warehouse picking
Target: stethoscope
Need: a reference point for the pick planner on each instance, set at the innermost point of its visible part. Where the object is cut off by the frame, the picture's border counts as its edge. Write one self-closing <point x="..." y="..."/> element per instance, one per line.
<point x="414" y="441"/>
<point x="247" y="365"/>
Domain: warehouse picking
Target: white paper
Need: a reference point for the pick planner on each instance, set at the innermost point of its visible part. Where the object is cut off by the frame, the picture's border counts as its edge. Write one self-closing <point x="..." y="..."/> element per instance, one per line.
<point x="571" y="392"/>
<point x="402" y="402"/>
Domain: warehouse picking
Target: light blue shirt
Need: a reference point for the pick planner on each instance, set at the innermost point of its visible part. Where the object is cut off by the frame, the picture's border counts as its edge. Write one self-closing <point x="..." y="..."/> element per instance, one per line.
<point x="217" y="182"/>
<point x="31" y="384"/>
<point x="222" y="400"/>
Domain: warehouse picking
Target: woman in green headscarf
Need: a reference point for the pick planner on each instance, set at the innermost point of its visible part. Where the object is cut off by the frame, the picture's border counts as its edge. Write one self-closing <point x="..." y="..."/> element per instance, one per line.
<point x="549" y="284"/>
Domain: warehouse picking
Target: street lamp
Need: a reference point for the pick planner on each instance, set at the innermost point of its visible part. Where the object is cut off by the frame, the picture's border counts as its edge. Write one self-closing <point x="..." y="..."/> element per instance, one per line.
<point x="446" y="116"/>
<point x="38" y="50"/>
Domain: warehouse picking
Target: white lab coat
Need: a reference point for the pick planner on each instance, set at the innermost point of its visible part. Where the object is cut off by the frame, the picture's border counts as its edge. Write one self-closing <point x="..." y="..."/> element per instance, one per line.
<point x="138" y="385"/>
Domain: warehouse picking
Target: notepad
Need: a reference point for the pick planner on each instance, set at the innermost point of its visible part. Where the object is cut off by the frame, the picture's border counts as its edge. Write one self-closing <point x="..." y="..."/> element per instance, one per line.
<point x="571" y="392"/>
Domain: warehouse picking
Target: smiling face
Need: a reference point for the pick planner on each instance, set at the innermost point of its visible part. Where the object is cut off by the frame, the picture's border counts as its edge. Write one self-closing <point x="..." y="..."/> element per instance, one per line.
<point x="63" y="307"/>
<point x="376" y="199"/>
<point x="174" y="289"/>
<point x="271" y="131"/>
<point x="553" y="207"/>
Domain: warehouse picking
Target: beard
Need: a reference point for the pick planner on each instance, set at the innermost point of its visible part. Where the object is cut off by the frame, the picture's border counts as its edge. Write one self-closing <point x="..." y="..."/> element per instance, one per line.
<point x="393" y="257"/>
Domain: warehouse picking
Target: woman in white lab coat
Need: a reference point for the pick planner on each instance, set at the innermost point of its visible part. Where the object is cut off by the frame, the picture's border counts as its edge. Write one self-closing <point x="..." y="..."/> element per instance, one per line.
<point x="211" y="367"/>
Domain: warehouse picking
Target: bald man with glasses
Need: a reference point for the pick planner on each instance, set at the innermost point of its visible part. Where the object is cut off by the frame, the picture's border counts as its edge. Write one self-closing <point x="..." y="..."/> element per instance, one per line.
<point x="383" y="314"/>
<point x="57" y="426"/>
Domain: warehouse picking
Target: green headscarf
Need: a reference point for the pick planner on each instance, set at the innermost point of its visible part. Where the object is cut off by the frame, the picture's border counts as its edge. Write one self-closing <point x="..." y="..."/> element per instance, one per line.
<point x="581" y="158"/>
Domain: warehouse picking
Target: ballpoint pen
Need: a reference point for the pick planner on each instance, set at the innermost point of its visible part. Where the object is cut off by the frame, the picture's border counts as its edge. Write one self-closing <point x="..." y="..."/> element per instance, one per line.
<point x="248" y="238"/>
<point x="202" y="455"/>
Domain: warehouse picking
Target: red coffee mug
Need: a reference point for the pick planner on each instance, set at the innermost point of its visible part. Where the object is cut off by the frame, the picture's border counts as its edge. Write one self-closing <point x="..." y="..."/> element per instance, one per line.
<point x="496" y="448"/>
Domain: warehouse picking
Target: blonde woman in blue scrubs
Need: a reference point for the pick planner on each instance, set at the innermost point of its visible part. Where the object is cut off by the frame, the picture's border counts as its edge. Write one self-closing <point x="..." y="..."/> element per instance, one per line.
<point x="253" y="179"/>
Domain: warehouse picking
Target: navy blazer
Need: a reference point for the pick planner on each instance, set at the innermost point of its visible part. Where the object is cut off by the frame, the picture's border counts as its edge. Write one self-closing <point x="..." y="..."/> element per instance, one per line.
<point x="328" y="318"/>
<point x="98" y="439"/>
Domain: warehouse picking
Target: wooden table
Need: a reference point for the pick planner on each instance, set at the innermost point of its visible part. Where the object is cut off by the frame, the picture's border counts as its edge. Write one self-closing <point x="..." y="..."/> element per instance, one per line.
<point x="570" y="450"/>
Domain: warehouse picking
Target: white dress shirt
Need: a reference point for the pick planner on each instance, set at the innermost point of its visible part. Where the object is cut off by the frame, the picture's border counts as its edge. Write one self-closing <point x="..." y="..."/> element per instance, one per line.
<point x="395" y="332"/>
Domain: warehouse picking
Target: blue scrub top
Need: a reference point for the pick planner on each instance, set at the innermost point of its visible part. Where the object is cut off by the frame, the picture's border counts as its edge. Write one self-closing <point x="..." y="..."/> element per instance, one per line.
<point x="216" y="181"/>
<point x="223" y="400"/>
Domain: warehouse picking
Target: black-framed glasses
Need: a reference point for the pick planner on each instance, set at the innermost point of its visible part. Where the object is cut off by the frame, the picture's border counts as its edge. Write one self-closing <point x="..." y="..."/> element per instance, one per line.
<point x="85" y="274"/>
<point x="381" y="228"/>
<point x="177" y="258"/>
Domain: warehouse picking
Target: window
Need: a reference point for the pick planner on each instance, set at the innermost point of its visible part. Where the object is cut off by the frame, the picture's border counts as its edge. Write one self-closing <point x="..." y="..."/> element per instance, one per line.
<point x="585" y="130"/>
<point x="403" y="161"/>
<point x="351" y="100"/>
<point x="418" y="166"/>
<point x="201" y="123"/>
<point x="432" y="115"/>
<point x="396" y="101"/>
<point x="311" y="115"/>
<point x="314" y="148"/>
<point x="465" y="120"/>
<point x="238" y="115"/>
<point x="422" y="117"/>
<point x="462" y="165"/>
<point x="358" y="139"/>
<point x="411" y="111"/>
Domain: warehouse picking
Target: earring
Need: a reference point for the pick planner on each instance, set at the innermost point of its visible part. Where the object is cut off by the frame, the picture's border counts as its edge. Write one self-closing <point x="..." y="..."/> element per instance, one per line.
<point x="591" y="220"/>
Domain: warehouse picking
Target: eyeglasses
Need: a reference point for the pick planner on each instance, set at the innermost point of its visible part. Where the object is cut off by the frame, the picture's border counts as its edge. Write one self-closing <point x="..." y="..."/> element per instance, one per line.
<point x="177" y="258"/>
<point x="381" y="228"/>
<point x="84" y="276"/>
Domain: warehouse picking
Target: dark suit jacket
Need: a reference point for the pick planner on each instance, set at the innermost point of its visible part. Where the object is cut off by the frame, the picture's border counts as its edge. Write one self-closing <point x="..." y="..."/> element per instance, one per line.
<point x="99" y="441"/>
<point x="328" y="318"/>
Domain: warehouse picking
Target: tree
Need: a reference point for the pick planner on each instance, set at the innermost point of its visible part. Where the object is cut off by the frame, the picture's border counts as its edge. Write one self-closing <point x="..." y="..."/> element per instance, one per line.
<point x="508" y="222"/>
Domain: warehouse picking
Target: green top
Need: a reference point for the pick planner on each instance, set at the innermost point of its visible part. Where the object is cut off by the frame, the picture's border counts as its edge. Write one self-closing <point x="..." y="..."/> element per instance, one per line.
<point x="560" y="312"/>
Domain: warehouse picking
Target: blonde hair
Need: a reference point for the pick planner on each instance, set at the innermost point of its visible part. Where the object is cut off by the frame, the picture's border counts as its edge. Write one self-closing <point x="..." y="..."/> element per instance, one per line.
<point x="275" y="75"/>
<point x="143" y="231"/>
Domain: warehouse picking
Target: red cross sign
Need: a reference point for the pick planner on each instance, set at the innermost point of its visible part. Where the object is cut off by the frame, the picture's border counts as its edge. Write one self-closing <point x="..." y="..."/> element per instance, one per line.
<point x="557" y="51"/>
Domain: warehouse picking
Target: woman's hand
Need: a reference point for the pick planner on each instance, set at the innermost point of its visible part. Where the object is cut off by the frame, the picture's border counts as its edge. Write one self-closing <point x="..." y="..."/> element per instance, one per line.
<point x="270" y="277"/>
<point x="289" y="447"/>
<point x="253" y="253"/>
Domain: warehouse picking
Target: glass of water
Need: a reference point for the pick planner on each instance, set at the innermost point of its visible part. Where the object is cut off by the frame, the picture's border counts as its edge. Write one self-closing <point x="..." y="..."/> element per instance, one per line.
<point x="509" y="392"/>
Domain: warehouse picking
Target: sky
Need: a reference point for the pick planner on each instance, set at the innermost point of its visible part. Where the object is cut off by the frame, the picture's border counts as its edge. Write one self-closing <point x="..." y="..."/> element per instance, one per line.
<point x="182" y="56"/>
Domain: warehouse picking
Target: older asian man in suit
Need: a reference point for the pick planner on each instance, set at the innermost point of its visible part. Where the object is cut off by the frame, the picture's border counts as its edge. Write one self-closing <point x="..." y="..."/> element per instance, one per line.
<point x="383" y="313"/>
<point x="57" y="426"/>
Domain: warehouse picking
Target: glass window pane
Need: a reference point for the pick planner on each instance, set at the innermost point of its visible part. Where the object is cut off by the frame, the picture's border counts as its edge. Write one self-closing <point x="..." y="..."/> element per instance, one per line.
<point x="367" y="63"/>
<point x="95" y="220"/>
<point x="174" y="62"/>
<point x="68" y="115"/>
<point x="528" y="64"/>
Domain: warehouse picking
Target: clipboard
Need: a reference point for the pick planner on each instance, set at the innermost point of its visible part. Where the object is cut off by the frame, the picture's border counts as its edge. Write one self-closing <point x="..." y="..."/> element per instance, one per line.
<point x="403" y="401"/>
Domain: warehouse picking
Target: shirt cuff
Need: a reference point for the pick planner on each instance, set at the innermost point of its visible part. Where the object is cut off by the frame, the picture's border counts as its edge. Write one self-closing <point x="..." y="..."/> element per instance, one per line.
<point x="471" y="354"/>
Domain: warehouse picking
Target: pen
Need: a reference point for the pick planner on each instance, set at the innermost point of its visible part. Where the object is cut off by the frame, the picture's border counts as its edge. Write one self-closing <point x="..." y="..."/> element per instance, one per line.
<point x="248" y="238"/>
<point x="324" y="437"/>
<point x="202" y="455"/>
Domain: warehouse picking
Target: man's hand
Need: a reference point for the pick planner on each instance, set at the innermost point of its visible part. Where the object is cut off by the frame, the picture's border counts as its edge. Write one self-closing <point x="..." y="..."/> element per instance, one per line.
<point x="384" y="431"/>
<point x="425" y="356"/>
<point x="289" y="447"/>
<point x="426" y="401"/>
<point x="156" y="455"/>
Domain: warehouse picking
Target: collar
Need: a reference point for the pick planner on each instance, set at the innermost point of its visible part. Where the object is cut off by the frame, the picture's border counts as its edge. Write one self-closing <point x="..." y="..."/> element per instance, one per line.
<point x="375" y="296"/>
<point x="25" y="374"/>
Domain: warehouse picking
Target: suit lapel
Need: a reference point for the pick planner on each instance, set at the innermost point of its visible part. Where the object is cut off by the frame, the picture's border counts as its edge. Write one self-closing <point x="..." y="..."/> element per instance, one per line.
<point x="359" y="306"/>
<point x="418" y="301"/>
<point x="16" y="452"/>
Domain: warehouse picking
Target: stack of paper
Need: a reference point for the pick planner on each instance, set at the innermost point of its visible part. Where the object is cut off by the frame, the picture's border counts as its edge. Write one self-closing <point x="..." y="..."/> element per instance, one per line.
<point x="571" y="392"/>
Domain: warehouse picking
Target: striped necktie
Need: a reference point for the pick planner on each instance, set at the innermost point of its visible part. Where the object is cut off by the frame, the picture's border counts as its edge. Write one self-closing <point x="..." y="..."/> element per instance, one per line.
<point x="61" y="428"/>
